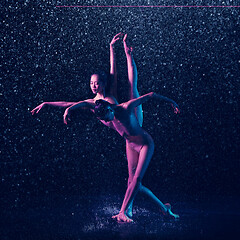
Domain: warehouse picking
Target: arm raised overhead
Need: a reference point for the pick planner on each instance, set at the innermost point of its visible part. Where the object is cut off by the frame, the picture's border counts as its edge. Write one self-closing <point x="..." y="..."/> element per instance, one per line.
<point x="113" y="68"/>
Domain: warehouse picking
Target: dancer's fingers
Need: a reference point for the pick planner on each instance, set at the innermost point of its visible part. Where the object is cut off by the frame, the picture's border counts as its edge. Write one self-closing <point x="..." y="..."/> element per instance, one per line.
<point x="125" y="36"/>
<point x="119" y="34"/>
<point x="34" y="110"/>
<point x="65" y="120"/>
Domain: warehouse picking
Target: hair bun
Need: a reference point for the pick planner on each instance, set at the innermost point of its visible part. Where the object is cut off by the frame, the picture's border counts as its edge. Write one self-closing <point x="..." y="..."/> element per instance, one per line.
<point x="98" y="102"/>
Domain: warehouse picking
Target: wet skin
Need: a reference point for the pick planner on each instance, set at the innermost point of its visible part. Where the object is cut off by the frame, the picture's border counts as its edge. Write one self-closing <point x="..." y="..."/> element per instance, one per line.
<point x="124" y="120"/>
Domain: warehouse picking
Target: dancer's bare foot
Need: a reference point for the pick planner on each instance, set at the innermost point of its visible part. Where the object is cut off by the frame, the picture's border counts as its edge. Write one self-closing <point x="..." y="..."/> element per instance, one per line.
<point x="169" y="213"/>
<point x="122" y="217"/>
<point x="128" y="50"/>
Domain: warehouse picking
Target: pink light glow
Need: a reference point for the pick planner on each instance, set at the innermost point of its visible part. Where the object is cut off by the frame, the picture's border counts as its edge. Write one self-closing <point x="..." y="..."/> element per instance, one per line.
<point x="147" y="6"/>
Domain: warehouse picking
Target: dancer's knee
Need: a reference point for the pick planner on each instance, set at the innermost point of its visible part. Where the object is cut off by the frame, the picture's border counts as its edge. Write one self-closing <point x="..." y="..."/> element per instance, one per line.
<point x="129" y="181"/>
<point x="137" y="180"/>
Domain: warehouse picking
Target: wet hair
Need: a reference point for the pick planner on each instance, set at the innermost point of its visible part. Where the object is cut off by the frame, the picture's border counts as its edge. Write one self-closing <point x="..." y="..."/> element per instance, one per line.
<point x="103" y="76"/>
<point x="100" y="108"/>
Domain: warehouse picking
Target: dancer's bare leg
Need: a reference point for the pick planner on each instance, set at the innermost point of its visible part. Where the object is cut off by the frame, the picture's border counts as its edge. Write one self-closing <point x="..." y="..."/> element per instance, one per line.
<point x="145" y="156"/>
<point x="132" y="157"/>
<point x="164" y="208"/>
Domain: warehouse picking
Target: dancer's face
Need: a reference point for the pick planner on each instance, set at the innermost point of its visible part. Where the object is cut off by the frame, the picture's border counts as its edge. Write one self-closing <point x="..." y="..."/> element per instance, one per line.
<point x="96" y="85"/>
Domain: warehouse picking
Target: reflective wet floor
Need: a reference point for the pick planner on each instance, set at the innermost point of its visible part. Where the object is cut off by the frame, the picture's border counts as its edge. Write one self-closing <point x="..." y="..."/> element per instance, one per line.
<point x="76" y="217"/>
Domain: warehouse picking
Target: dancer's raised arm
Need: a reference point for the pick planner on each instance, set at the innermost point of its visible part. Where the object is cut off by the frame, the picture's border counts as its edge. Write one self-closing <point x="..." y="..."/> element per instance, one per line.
<point x="87" y="104"/>
<point x="56" y="104"/>
<point x="113" y="68"/>
<point x="137" y="101"/>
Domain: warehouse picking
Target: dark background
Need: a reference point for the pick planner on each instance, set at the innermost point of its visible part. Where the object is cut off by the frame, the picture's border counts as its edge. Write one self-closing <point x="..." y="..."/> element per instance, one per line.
<point x="188" y="54"/>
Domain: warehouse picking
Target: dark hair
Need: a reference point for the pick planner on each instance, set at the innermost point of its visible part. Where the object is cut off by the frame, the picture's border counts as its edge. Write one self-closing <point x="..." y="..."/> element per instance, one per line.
<point x="100" y="108"/>
<point x="103" y="76"/>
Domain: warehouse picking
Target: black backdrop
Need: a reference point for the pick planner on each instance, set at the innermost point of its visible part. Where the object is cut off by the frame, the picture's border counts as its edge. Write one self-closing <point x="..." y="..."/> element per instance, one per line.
<point x="188" y="54"/>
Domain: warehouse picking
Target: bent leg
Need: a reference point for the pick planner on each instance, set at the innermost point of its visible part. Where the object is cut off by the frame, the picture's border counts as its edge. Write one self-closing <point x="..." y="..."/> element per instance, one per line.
<point x="150" y="194"/>
<point x="164" y="208"/>
<point x="132" y="158"/>
<point x="145" y="156"/>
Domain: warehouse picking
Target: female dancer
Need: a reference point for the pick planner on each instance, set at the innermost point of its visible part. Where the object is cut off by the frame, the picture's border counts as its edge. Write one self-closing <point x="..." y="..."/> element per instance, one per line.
<point x="108" y="91"/>
<point x="98" y="86"/>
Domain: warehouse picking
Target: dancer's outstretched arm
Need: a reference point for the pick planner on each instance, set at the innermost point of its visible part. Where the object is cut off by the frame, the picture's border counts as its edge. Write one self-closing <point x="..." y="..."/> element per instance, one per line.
<point x="113" y="68"/>
<point x="56" y="104"/>
<point x="82" y="104"/>
<point x="137" y="101"/>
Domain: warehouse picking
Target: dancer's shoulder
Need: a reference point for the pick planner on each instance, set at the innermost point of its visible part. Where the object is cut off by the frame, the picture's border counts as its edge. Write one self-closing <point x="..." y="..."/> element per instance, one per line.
<point x="90" y="100"/>
<point x="111" y="99"/>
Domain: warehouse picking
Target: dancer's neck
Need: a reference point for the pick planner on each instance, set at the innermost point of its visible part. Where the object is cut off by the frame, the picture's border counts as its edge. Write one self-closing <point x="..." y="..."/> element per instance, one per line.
<point x="101" y="95"/>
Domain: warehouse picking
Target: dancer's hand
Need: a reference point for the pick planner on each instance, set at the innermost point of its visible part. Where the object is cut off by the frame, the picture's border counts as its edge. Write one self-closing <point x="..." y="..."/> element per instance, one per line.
<point x="115" y="38"/>
<point x="38" y="108"/>
<point x="128" y="50"/>
<point x="175" y="108"/>
<point x="66" y="117"/>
